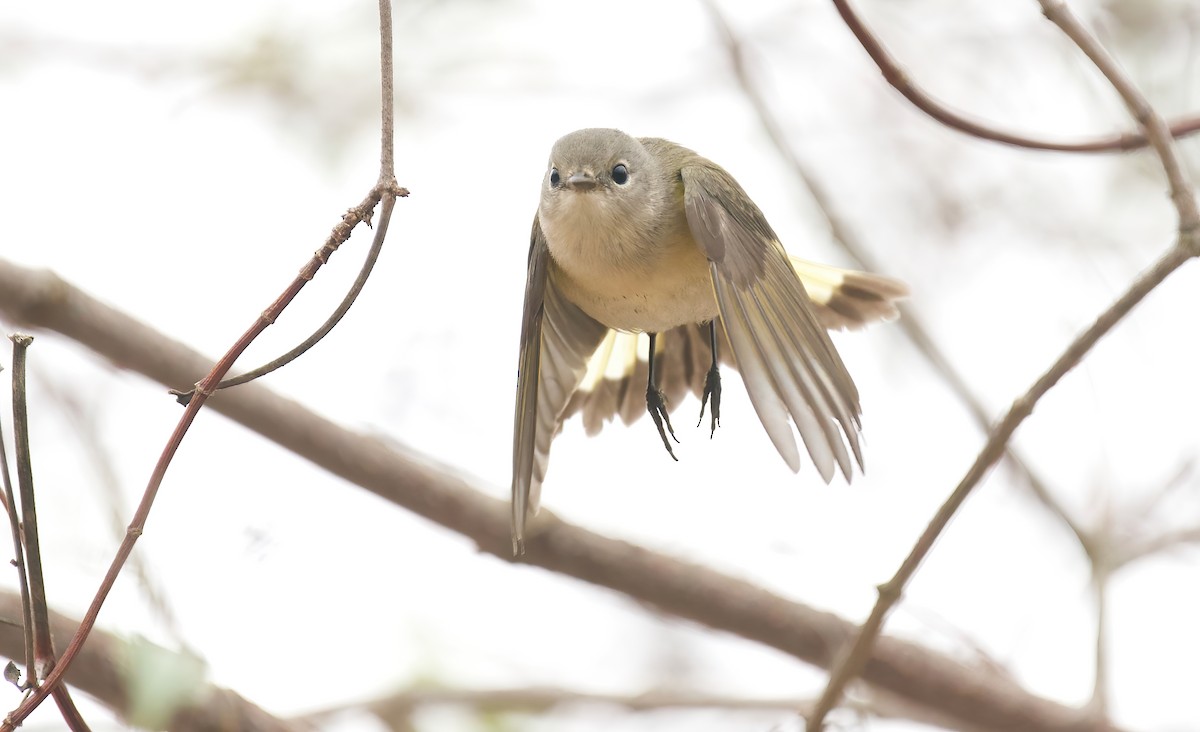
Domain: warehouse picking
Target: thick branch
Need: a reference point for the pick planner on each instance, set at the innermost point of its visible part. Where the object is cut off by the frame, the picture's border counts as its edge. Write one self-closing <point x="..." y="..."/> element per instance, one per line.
<point x="976" y="697"/>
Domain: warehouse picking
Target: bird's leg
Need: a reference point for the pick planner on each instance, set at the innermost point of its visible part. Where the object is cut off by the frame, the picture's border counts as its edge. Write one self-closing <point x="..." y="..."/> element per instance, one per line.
<point x="656" y="404"/>
<point x="712" y="383"/>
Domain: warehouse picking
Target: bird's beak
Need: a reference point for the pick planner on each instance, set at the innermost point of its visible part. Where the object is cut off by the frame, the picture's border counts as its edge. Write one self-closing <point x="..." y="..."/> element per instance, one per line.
<point x="581" y="182"/>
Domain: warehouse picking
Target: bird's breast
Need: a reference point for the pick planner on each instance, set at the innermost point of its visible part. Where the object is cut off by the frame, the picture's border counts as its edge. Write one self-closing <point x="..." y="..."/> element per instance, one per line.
<point x="632" y="282"/>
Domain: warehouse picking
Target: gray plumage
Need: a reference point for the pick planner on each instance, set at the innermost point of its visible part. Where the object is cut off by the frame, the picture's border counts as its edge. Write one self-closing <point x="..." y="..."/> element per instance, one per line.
<point x="640" y="235"/>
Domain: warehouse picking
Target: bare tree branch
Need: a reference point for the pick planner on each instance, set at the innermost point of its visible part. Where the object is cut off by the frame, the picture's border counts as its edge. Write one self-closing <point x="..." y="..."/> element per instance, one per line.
<point x="543" y="699"/>
<point x="18" y="560"/>
<point x="387" y="181"/>
<point x="895" y="75"/>
<point x="385" y="191"/>
<point x="86" y="430"/>
<point x="1157" y="131"/>
<point x="977" y="698"/>
<point x="890" y="592"/>
<point x="1157" y="544"/>
<point x="396" y="708"/>
<point x="29" y="545"/>
<point x="844" y="236"/>
<point x="1187" y="246"/>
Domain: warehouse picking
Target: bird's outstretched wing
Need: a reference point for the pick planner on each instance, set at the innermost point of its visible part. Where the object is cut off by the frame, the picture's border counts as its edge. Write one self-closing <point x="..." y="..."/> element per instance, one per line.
<point x="557" y="339"/>
<point x="615" y="383"/>
<point x="789" y="365"/>
<point x="846" y="299"/>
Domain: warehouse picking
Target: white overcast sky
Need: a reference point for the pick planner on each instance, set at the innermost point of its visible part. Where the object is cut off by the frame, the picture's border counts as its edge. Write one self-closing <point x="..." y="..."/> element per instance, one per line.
<point x="143" y="161"/>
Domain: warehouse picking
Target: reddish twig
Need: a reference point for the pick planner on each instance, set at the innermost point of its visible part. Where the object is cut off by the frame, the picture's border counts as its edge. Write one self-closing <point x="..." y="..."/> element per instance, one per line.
<point x="843" y="235"/>
<point x="1187" y="246"/>
<point x="204" y="390"/>
<point x="386" y="190"/>
<point x="889" y="593"/>
<point x="89" y="434"/>
<point x="1156" y="128"/>
<point x="387" y="179"/>
<point x="895" y="75"/>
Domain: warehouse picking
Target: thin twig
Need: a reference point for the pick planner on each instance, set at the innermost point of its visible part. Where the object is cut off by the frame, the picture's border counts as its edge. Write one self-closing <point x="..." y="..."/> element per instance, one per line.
<point x="384" y="192"/>
<point x="1102" y="572"/>
<point x="387" y="180"/>
<point x="203" y="391"/>
<point x="362" y="213"/>
<point x="1157" y="544"/>
<point x="387" y="103"/>
<point x="1180" y="478"/>
<point x="85" y="429"/>
<point x="37" y="618"/>
<point x="403" y="704"/>
<point x="895" y="75"/>
<point x="66" y="707"/>
<point x="843" y="234"/>
<point x="1156" y="129"/>
<point x="6" y="496"/>
<point x="1185" y="248"/>
<point x="541" y="699"/>
<point x="43" y="650"/>
<point x="14" y="527"/>
<point x="890" y="592"/>
<point x="364" y="273"/>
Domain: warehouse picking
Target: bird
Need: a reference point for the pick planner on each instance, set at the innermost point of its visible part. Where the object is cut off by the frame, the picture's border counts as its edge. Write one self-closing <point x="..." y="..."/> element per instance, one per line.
<point x="641" y="240"/>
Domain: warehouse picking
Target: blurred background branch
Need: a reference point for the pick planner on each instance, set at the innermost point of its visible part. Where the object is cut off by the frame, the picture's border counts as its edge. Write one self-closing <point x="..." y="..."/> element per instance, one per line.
<point x="107" y="670"/>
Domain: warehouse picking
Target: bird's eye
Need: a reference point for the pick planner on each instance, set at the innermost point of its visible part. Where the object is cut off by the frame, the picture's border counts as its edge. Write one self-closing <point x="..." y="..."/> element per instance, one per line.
<point x="620" y="174"/>
<point x="555" y="178"/>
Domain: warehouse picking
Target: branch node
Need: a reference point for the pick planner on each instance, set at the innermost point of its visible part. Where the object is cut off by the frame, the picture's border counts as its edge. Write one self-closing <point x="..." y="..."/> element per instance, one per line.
<point x="1189" y="239"/>
<point x="890" y="591"/>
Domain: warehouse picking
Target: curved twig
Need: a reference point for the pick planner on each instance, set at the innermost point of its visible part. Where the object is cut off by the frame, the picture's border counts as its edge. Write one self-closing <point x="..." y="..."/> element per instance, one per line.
<point x="1185" y="248"/>
<point x="385" y="191"/>
<point x="895" y="75"/>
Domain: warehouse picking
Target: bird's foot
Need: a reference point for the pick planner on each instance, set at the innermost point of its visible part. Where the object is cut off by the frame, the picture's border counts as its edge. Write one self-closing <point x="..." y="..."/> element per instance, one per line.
<point x="656" y="404"/>
<point x="712" y="388"/>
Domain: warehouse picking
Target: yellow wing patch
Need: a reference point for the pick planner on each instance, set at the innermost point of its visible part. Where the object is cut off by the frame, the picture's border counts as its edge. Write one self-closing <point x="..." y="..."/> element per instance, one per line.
<point x="616" y="358"/>
<point x="846" y="298"/>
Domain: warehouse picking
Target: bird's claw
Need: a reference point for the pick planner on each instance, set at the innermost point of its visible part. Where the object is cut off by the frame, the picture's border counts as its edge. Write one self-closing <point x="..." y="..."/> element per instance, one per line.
<point x="656" y="404"/>
<point x="712" y="388"/>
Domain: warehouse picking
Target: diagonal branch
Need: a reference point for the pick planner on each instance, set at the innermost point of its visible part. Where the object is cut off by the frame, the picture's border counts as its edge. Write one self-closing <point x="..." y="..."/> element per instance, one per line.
<point x="977" y="698"/>
<point x="844" y="236"/>
<point x="1187" y="246"/>
<point x="889" y="593"/>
